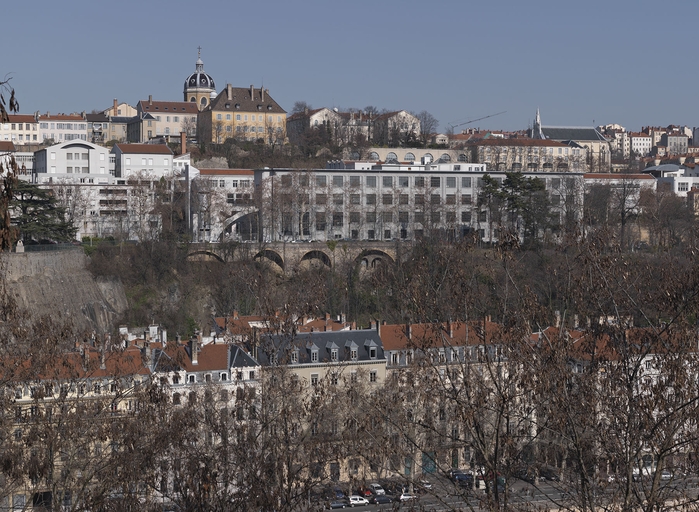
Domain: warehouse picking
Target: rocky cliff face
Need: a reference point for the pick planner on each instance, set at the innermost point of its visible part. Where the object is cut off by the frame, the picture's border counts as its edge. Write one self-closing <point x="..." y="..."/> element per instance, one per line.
<point x="58" y="283"/>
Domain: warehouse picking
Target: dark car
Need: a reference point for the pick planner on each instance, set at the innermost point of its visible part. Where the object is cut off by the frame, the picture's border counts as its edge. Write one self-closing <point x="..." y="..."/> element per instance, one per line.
<point x="461" y="478"/>
<point x="525" y="474"/>
<point x="337" y="504"/>
<point x="550" y="474"/>
<point x="380" y="499"/>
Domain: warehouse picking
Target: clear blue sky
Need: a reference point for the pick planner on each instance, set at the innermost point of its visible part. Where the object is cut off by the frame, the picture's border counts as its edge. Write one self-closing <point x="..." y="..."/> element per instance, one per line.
<point x="627" y="62"/>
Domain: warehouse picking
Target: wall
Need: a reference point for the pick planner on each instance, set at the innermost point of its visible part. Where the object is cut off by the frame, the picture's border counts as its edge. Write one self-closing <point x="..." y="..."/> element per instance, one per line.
<point x="58" y="283"/>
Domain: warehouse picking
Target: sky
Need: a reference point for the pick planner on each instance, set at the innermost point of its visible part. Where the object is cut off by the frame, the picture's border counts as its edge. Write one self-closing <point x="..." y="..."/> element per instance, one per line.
<point x="580" y="63"/>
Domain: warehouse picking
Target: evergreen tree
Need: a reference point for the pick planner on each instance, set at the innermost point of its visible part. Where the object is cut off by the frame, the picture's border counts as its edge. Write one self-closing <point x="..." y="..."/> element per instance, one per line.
<point x="36" y="214"/>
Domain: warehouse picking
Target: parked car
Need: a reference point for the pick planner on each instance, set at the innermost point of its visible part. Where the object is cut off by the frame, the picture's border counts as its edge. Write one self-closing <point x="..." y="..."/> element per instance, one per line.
<point x="367" y="493"/>
<point x="406" y="496"/>
<point x="380" y="499"/>
<point x="425" y="484"/>
<point x="337" y="504"/>
<point x="357" y="501"/>
<point x="377" y="489"/>
<point x="666" y="474"/>
<point x="526" y="474"/>
<point x="460" y="477"/>
<point x="549" y="473"/>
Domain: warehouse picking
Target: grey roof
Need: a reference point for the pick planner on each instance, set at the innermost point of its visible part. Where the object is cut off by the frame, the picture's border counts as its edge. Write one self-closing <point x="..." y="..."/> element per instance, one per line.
<point x="240" y="358"/>
<point x="241" y="101"/>
<point x="360" y="339"/>
<point x="571" y="133"/>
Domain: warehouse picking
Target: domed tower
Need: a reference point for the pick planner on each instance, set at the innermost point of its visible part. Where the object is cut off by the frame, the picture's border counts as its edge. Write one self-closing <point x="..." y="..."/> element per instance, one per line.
<point x="199" y="87"/>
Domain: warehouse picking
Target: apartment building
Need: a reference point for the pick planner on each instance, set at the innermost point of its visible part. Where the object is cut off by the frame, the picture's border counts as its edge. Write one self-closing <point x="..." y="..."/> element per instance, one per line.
<point x="389" y="201"/>
<point x="62" y="127"/>
<point x="21" y="129"/>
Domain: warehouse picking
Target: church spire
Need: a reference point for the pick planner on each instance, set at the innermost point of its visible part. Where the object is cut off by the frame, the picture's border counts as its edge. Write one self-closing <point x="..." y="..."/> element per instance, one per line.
<point x="537" y="132"/>
<point x="200" y="63"/>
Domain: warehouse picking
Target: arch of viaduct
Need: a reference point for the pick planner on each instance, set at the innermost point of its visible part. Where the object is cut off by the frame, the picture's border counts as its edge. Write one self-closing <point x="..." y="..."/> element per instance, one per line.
<point x="289" y="257"/>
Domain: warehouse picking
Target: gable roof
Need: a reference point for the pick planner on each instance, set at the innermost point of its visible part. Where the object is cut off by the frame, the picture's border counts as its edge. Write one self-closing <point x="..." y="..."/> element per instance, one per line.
<point x="521" y="142"/>
<point x="7" y="146"/>
<point x="399" y="337"/>
<point x="169" y="107"/>
<point x="241" y="101"/>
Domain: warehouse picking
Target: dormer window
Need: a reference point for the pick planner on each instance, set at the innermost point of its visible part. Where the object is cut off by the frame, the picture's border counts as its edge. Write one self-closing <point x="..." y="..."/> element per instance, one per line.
<point x="295" y="357"/>
<point x="333" y="355"/>
<point x="372" y="352"/>
<point x="224" y="377"/>
<point x="314" y="356"/>
<point x="192" y="379"/>
<point x="353" y="354"/>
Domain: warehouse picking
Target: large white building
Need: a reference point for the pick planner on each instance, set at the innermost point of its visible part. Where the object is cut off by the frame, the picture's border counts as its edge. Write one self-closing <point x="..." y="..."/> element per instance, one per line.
<point x="77" y="161"/>
<point x="386" y="202"/>
<point x="145" y="159"/>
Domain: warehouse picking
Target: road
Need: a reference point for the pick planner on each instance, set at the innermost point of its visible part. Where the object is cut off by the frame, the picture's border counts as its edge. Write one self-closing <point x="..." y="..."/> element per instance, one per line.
<point x="446" y="497"/>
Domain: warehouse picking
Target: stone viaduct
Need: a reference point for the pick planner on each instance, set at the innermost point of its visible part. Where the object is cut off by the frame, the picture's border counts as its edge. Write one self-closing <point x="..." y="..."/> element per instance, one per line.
<point x="289" y="257"/>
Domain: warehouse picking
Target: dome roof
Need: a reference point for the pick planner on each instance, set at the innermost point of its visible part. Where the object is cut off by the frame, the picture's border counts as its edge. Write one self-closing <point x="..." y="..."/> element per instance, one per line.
<point x="199" y="79"/>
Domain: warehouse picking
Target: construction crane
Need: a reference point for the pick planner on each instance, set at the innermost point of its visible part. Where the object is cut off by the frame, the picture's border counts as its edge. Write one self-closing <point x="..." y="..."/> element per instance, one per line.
<point x="452" y="126"/>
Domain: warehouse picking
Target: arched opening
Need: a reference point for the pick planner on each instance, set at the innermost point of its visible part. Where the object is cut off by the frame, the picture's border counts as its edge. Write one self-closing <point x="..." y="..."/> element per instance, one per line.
<point x="391" y="156"/>
<point x="203" y="101"/>
<point x="548" y="167"/>
<point x="270" y="256"/>
<point x="409" y="157"/>
<point x="445" y="158"/>
<point x="373" y="156"/>
<point x="462" y="158"/>
<point x="316" y="259"/>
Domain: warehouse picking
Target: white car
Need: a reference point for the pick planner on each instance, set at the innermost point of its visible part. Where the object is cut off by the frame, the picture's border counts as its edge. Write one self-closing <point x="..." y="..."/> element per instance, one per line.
<point x="406" y="496"/>
<point x="377" y="489"/>
<point x="357" y="501"/>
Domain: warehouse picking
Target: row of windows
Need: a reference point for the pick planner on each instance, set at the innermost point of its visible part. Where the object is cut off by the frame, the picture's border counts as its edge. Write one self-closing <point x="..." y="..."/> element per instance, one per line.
<point x="405" y="217"/>
<point x="21" y="137"/>
<point x="334" y="378"/>
<point x="127" y="161"/>
<point x="386" y="199"/>
<point x="321" y="180"/>
<point x="244" y="117"/>
<point x="19" y="126"/>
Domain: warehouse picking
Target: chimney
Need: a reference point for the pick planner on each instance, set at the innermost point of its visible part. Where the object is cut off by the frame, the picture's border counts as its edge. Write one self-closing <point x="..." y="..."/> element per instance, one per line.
<point x="252" y="92"/>
<point x="353" y="327"/>
<point x="150" y="99"/>
<point x="343" y="318"/>
<point x="372" y="325"/>
<point x="378" y="328"/>
<point x="408" y="330"/>
<point x="115" y="107"/>
<point x="450" y="329"/>
<point x="183" y="142"/>
<point x="558" y="318"/>
<point x="103" y="364"/>
<point x="194" y="349"/>
<point x="262" y="92"/>
<point x="229" y="92"/>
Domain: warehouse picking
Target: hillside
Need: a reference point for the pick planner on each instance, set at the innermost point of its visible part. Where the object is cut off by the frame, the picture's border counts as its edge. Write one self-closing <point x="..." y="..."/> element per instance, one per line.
<point x="58" y="283"/>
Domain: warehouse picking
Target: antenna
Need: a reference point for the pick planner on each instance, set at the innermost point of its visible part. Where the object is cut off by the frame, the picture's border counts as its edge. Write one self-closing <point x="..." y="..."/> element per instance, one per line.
<point x="452" y="126"/>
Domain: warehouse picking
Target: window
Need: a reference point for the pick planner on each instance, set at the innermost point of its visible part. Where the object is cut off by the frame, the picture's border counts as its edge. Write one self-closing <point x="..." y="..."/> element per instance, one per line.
<point x="387" y="234"/>
<point x="294" y="357"/>
<point x="403" y="181"/>
<point x="355" y="199"/>
<point x="372" y="376"/>
<point x="435" y="181"/>
<point x="403" y="217"/>
<point x="338" y="220"/>
<point x="435" y="199"/>
<point x="354" y="218"/>
<point x="333" y="355"/>
<point x="451" y="181"/>
<point x="419" y="181"/>
<point x="372" y="352"/>
<point x="353" y="354"/>
<point x="371" y="199"/>
<point x="403" y="199"/>
<point x="465" y="216"/>
<point x="387" y="199"/>
<point x="338" y="181"/>
<point x="682" y="186"/>
<point x="355" y="181"/>
<point x="395" y="358"/>
<point x="314" y="379"/>
<point x="466" y="199"/>
<point x="451" y="199"/>
<point x="371" y="181"/>
<point x="338" y="199"/>
<point x="387" y="181"/>
<point x="321" y="181"/>
<point x="371" y="217"/>
<point x="321" y="199"/>
<point x="387" y="217"/>
<point x="314" y="356"/>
